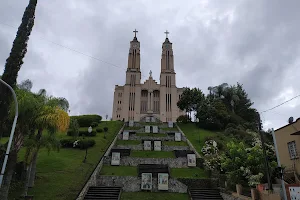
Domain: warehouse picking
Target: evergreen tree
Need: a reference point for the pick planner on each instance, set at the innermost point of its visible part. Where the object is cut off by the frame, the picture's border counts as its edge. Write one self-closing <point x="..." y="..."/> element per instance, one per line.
<point x="15" y="61"/>
<point x="11" y="70"/>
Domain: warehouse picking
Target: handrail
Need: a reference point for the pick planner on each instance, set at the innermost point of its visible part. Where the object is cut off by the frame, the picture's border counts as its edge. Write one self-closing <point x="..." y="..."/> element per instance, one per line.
<point x="11" y="133"/>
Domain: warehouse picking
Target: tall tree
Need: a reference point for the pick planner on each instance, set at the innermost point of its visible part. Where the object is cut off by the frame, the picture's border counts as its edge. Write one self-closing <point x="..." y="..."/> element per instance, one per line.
<point x="15" y="60"/>
<point x="191" y="99"/>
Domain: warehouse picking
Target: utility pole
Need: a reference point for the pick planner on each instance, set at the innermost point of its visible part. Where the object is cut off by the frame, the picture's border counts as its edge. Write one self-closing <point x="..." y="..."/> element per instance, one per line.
<point x="264" y="153"/>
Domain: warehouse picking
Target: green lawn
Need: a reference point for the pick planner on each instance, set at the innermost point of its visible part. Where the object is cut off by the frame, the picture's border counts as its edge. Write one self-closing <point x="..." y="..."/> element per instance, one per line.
<point x="188" y="173"/>
<point x="153" y="196"/>
<point x="133" y="128"/>
<point x="61" y="175"/>
<point x="152" y="154"/>
<point x="152" y="134"/>
<point x="170" y="129"/>
<point x="174" y="143"/>
<point x="193" y="133"/>
<point x="118" y="171"/>
<point x="128" y="142"/>
<point x="4" y="140"/>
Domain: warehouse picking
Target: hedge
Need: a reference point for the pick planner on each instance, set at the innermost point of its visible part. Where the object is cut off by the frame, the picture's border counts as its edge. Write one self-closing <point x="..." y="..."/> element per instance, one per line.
<point x="81" y="144"/>
<point x="87" y="120"/>
<point x="86" y="133"/>
<point x="99" y="130"/>
<point x="94" y="124"/>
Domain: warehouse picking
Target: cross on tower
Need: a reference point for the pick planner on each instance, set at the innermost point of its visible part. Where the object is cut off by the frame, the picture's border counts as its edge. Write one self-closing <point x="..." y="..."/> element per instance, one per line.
<point x="166" y="33"/>
<point x="135" y="31"/>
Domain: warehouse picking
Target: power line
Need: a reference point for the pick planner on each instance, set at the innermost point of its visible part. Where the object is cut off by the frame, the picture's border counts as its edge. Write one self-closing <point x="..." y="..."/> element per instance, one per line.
<point x="76" y="51"/>
<point x="281" y="104"/>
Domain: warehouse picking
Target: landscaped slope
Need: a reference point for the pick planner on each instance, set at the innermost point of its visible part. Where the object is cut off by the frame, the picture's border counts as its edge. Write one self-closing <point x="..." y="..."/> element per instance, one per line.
<point x="196" y="136"/>
<point x="61" y="175"/>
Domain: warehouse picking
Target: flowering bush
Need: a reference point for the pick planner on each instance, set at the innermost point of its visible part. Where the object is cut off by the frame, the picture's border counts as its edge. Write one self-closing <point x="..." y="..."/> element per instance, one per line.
<point x="244" y="165"/>
<point x="210" y="148"/>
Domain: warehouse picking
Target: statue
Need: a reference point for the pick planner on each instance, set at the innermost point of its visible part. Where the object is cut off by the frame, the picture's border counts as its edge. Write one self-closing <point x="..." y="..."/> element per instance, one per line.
<point x="150" y="73"/>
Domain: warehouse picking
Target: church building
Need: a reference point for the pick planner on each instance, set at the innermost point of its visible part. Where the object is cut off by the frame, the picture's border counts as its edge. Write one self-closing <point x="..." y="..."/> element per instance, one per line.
<point x="136" y="101"/>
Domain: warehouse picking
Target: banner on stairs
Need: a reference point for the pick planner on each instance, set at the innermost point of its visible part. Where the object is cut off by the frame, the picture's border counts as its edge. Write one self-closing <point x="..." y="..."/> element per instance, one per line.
<point x="146" y="181"/>
<point x="163" y="181"/>
<point x="115" y="158"/>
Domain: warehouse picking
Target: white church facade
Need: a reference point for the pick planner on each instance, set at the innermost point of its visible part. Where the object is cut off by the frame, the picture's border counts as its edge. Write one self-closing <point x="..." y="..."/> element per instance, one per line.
<point x="135" y="101"/>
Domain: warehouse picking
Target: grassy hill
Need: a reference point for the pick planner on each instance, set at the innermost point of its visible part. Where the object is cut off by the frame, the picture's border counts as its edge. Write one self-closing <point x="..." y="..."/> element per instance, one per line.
<point x="61" y="175"/>
<point x="198" y="136"/>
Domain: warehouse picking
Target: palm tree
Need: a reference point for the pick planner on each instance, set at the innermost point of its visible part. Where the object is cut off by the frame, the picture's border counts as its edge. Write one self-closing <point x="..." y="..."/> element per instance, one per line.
<point x="219" y="90"/>
<point x="53" y="117"/>
<point x="28" y="106"/>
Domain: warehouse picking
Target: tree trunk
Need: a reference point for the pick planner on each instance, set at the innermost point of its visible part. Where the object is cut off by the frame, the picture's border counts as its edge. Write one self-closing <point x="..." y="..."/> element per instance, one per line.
<point x="10" y="169"/>
<point x="26" y="182"/>
<point x="33" y="170"/>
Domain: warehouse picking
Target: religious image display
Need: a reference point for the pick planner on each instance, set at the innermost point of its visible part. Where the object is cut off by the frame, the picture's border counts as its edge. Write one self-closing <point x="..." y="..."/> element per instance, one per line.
<point x="115" y="158"/>
<point x="177" y="137"/>
<point x="147" y="129"/>
<point x="163" y="181"/>
<point x="170" y="124"/>
<point x="155" y="129"/>
<point x="152" y="119"/>
<point x="146" y="181"/>
<point x="125" y="135"/>
<point x="131" y="123"/>
<point x="147" y="145"/>
<point x="191" y="160"/>
<point x="147" y="119"/>
<point x="157" y="145"/>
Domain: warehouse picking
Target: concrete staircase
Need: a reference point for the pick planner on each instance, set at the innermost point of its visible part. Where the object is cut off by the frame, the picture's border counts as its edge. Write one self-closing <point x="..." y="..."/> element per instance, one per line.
<point x="204" y="194"/>
<point x="103" y="193"/>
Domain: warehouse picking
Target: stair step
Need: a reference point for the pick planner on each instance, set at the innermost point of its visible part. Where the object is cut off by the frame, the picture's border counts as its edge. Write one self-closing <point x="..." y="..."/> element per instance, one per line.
<point x="103" y="193"/>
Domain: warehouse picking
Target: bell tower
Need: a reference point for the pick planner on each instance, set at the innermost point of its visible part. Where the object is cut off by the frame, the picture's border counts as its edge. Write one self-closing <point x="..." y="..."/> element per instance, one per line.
<point x="167" y="81"/>
<point x="133" y="72"/>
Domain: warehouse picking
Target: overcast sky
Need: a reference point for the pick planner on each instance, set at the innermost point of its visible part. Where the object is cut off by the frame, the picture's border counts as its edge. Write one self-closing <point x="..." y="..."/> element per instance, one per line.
<point x="255" y="43"/>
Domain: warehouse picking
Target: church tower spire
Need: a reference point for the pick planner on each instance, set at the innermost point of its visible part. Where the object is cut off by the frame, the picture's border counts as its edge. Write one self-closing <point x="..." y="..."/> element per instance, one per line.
<point x="167" y="81"/>
<point x="167" y="60"/>
<point x="134" y="54"/>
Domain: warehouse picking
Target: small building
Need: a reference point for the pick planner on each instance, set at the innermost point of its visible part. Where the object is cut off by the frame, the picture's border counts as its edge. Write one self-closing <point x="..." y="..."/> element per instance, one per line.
<point x="288" y="145"/>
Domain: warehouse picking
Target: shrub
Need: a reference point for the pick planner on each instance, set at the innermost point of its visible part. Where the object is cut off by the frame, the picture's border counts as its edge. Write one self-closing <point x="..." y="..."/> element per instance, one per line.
<point x="80" y="144"/>
<point x="230" y="125"/>
<point x="87" y="120"/>
<point x="208" y="138"/>
<point x="105" y="129"/>
<point x="70" y="133"/>
<point x="73" y="128"/>
<point x="86" y="143"/>
<point x="94" y="124"/>
<point x="99" y="130"/>
<point x="67" y="143"/>
<point x="86" y="133"/>
<point x="183" y="119"/>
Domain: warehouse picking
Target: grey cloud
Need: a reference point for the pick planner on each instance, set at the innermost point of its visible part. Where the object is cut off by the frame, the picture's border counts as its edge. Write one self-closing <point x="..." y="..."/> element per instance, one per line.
<point x="255" y="43"/>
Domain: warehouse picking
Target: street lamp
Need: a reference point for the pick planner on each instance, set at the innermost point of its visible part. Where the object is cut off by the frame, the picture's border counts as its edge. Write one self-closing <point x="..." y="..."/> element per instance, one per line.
<point x="11" y="133"/>
<point x="197" y="120"/>
<point x="85" y="145"/>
